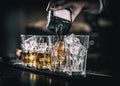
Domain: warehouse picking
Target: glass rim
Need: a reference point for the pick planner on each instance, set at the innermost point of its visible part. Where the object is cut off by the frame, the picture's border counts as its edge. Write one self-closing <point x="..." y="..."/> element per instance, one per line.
<point x="53" y="35"/>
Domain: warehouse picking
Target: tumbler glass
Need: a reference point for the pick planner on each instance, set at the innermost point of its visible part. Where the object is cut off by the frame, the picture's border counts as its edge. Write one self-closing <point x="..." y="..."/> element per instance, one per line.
<point x="29" y="50"/>
<point x="69" y="54"/>
<point x="44" y="45"/>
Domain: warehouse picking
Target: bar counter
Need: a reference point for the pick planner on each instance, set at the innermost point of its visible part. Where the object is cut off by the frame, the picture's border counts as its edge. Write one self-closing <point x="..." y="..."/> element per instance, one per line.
<point x="16" y="76"/>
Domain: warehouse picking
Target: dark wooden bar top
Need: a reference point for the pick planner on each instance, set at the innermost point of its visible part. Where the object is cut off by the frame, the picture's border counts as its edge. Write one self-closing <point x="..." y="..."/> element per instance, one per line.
<point x="13" y="76"/>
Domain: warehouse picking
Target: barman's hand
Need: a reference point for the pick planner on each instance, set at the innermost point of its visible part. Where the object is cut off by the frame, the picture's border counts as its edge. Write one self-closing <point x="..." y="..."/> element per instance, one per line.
<point x="77" y="6"/>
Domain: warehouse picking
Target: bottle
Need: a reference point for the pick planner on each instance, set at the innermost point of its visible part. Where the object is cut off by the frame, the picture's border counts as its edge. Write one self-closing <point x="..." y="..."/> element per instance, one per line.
<point x="59" y="21"/>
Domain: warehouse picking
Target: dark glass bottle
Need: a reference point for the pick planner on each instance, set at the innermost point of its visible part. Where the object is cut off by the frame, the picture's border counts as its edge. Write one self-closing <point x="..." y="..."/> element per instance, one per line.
<point x="59" y="21"/>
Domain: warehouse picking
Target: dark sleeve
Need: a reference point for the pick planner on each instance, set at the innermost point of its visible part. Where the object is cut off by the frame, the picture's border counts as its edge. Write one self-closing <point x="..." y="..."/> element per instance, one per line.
<point x="100" y="5"/>
<point x="103" y="4"/>
<point x="97" y="5"/>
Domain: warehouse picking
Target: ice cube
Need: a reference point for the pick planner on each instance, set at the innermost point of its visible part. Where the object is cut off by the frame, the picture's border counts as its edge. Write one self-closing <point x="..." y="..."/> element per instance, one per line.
<point x="42" y="47"/>
<point x="30" y="43"/>
<point x="83" y="51"/>
<point x="74" y="48"/>
<point x="69" y="39"/>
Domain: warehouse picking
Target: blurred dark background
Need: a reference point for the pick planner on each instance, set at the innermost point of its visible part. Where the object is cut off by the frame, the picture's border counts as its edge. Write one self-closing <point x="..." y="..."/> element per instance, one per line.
<point x="30" y="17"/>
